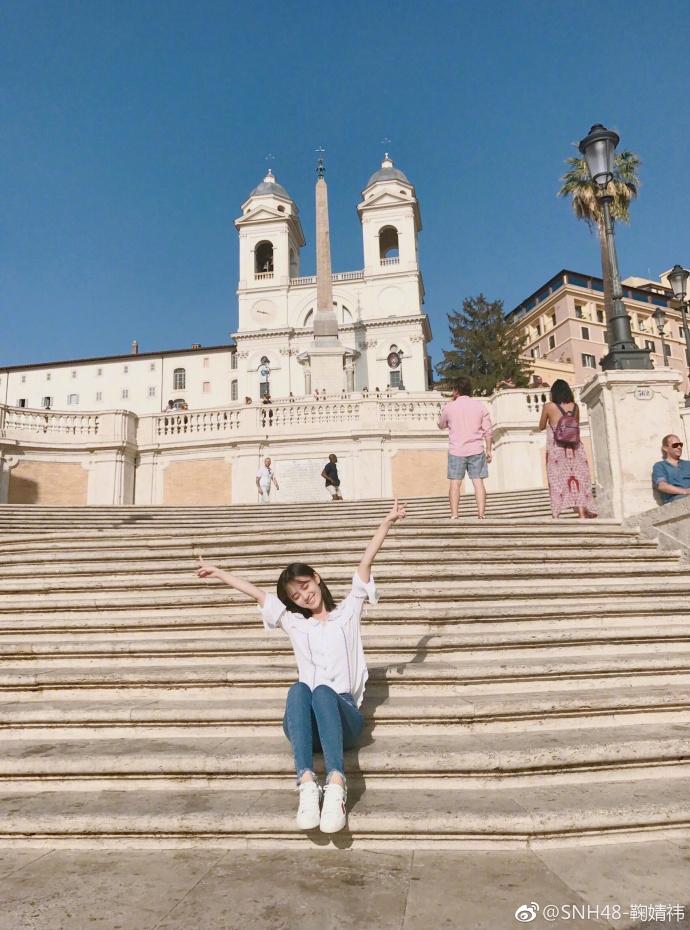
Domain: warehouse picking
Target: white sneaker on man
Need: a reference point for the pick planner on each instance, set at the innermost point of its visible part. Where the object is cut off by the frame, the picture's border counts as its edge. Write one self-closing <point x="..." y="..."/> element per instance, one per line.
<point x="308" y="816"/>
<point x="333" y="812"/>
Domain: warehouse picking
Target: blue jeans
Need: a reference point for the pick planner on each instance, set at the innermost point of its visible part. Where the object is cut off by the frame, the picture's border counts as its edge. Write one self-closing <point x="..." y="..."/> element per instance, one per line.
<point x="321" y="721"/>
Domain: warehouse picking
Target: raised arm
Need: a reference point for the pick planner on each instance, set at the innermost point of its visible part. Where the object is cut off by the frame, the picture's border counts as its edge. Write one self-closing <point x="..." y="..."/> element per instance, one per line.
<point x="397" y="512"/>
<point x="206" y="570"/>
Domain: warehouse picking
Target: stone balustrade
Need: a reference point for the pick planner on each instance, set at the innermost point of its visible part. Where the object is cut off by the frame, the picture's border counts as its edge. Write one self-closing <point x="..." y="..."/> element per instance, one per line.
<point x="158" y="458"/>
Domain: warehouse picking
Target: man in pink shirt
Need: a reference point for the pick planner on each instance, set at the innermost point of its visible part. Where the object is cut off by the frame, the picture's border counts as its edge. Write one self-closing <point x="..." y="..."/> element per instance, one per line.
<point x="469" y="449"/>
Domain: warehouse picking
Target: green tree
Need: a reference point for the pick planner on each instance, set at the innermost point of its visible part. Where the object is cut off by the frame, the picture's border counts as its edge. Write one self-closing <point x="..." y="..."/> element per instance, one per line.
<point x="486" y="348"/>
<point x="579" y="187"/>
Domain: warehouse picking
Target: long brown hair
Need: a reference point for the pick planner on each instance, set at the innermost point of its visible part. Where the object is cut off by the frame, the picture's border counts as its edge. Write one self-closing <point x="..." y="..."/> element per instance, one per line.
<point x="301" y="570"/>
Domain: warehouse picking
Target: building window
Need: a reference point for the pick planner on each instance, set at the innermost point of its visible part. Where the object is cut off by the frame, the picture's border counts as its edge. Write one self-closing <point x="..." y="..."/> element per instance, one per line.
<point x="264" y="389"/>
<point x="47" y="376"/>
<point x="667" y="350"/>
<point x="233" y="361"/>
<point x="23" y="379"/>
<point x="179" y="379"/>
<point x="125" y="370"/>
<point x="72" y="399"/>
<point x="600" y="315"/>
<point x="99" y="372"/>
<point x="395" y="378"/>
<point x="152" y="366"/>
<point x="681" y="334"/>
<point x="538" y="328"/>
<point x="263" y="258"/>
<point x="99" y="395"/>
<point x="152" y="392"/>
<point x="552" y="317"/>
<point x="74" y="372"/>
<point x="552" y="342"/>
<point x="588" y="360"/>
<point x="585" y="332"/>
<point x="233" y="390"/>
<point x="47" y="403"/>
<point x="650" y="344"/>
<point x="579" y="314"/>
<point x="206" y="387"/>
<point x="388" y="243"/>
<point x="125" y="394"/>
<point x="21" y="402"/>
<point x="535" y="352"/>
<point x="206" y="362"/>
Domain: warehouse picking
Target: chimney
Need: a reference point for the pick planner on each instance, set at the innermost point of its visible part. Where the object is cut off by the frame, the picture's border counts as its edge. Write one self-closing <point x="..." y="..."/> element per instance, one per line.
<point x="135" y="347"/>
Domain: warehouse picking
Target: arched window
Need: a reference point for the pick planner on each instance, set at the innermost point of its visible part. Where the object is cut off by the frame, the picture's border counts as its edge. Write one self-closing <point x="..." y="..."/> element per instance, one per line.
<point x="294" y="264"/>
<point x="388" y="243"/>
<point x="233" y="390"/>
<point x="179" y="379"/>
<point x="309" y="318"/>
<point x="263" y="258"/>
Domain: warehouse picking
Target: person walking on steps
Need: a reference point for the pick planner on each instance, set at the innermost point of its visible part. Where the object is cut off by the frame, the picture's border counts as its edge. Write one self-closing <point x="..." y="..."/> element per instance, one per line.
<point x="330" y="473"/>
<point x="322" y="708"/>
<point x="266" y="476"/>
<point x="567" y="471"/>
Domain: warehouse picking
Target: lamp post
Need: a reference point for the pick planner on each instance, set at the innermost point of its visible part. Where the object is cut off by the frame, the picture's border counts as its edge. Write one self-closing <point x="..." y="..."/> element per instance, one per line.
<point x="678" y="279"/>
<point x="598" y="150"/>
<point x="660" y="320"/>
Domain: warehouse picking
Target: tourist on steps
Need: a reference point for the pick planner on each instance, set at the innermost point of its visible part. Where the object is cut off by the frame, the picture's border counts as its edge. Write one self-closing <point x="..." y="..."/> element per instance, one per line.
<point x="567" y="471"/>
<point x="469" y="444"/>
<point x="671" y="476"/>
<point x="322" y="708"/>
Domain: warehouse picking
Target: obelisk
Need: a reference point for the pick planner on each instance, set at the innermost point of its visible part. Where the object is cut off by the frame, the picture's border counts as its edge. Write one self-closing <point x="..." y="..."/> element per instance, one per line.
<point x="325" y="357"/>
<point x="325" y="320"/>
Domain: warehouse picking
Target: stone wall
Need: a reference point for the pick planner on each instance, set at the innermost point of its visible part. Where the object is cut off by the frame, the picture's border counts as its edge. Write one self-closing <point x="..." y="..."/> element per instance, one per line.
<point x="419" y="473"/>
<point x="197" y="482"/>
<point x="56" y="483"/>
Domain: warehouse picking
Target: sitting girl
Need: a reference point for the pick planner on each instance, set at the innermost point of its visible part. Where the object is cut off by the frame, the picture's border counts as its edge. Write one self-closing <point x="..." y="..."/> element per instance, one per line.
<point x="322" y="708"/>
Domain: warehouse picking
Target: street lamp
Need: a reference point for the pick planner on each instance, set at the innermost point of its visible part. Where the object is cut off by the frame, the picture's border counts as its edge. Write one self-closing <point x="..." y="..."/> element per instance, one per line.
<point x="598" y="150"/>
<point x="678" y="279"/>
<point x="660" y="320"/>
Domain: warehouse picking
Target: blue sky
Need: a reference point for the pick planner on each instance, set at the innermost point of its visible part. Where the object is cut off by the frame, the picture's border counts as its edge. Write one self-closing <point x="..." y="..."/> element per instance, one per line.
<point x="132" y="131"/>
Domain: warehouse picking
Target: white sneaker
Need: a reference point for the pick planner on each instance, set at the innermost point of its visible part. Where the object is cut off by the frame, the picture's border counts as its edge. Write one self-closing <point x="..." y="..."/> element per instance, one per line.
<point x="308" y="810"/>
<point x="333" y="813"/>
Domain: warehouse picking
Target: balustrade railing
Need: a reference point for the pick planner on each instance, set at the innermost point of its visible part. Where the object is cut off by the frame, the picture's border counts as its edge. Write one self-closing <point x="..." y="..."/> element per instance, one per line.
<point x="263" y="275"/>
<point x="203" y="423"/>
<point x="390" y="261"/>
<point x="41" y="422"/>
<point x="338" y="276"/>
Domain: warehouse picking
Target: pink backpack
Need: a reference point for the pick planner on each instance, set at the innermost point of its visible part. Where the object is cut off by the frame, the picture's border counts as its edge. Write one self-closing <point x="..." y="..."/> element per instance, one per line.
<point x="567" y="431"/>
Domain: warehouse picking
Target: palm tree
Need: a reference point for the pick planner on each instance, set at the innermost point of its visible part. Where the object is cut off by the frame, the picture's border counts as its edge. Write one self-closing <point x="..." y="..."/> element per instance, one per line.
<point x="578" y="185"/>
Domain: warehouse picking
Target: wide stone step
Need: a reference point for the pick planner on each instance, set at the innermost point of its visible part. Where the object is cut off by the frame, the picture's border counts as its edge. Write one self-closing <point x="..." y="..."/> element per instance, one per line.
<point x="379" y="818"/>
<point x="550" y="756"/>
<point x="452" y="557"/>
<point x="237" y="620"/>
<point x="496" y="595"/>
<point x="275" y="648"/>
<point x="452" y="573"/>
<point x="34" y="718"/>
<point x="461" y="678"/>
<point x="477" y="534"/>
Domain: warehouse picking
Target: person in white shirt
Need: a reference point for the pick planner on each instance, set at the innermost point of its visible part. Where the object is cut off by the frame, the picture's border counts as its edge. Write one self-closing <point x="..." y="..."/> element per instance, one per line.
<point x="265" y="476"/>
<point x="322" y="708"/>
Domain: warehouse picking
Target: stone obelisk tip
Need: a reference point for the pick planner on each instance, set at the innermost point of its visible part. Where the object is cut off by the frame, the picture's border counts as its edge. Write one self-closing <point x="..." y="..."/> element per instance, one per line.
<point x="325" y="320"/>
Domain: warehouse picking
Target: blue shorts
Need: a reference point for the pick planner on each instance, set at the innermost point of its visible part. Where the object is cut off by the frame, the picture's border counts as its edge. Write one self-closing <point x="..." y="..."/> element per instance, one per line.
<point x="474" y="465"/>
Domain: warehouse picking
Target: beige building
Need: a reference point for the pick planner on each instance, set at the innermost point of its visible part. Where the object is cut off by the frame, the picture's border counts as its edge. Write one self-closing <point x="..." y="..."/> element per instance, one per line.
<point x="565" y="324"/>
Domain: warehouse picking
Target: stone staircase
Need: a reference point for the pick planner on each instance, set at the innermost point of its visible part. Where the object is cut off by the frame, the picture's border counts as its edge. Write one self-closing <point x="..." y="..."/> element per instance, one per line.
<point x="530" y="679"/>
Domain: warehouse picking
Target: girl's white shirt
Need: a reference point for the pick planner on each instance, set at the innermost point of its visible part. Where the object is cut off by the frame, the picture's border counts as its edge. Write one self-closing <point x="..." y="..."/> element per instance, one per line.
<point x="328" y="652"/>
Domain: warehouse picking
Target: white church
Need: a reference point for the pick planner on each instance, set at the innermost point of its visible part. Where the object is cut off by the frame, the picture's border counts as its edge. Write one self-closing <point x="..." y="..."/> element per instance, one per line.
<point x="381" y="325"/>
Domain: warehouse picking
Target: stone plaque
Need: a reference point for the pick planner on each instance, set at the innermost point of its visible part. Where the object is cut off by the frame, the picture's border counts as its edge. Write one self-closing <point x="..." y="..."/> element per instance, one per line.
<point x="643" y="393"/>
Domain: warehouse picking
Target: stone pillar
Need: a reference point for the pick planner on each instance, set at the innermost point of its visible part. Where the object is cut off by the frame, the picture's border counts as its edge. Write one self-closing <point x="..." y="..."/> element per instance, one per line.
<point x="629" y="413"/>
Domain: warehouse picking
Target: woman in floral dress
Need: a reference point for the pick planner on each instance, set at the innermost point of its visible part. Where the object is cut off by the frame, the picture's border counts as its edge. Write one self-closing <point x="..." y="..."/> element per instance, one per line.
<point x="570" y="485"/>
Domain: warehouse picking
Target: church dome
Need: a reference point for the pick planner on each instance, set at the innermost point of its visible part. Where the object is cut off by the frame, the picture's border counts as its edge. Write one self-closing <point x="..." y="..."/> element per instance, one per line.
<point x="387" y="172"/>
<point x="270" y="186"/>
